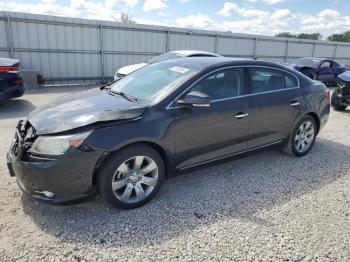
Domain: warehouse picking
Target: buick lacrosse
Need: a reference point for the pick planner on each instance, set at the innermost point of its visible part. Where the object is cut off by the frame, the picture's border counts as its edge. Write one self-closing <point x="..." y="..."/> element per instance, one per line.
<point x="122" y="140"/>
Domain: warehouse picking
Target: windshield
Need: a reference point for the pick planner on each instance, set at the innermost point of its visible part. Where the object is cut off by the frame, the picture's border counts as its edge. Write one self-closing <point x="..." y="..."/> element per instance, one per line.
<point x="153" y="82"/>
<point x="165" y="56"/>
<point x="310" y="62"/>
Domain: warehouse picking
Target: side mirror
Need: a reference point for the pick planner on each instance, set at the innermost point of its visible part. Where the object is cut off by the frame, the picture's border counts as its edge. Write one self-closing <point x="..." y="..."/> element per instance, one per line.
<point x="195" y="98"/>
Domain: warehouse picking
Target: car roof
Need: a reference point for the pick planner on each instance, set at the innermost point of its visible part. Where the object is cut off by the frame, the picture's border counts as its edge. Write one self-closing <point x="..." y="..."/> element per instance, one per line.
<point x="315" y="58"/>
<point x="210" y="63"/>
<point x="193" y="52"/>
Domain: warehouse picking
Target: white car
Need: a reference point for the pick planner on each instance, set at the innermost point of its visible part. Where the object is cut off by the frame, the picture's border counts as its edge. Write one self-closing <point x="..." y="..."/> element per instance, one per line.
<point x="123" y="71"/>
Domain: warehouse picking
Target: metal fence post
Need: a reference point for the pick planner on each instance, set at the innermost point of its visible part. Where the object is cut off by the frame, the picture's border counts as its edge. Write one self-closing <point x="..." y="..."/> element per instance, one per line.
<point x="335" y="52"/>
<point x="216" y="43"/>
<point x="314" y="50"/>
<point x="102" y="54"/>
<point x="287" y="51"/>
<point x="254" y="48"/>
<point x="9" y="36"/>
<point x="167" y="43"/>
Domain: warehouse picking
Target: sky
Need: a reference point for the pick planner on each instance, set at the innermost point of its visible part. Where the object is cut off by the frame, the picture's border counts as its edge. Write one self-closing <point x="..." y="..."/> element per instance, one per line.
<point x="265" y="17"/>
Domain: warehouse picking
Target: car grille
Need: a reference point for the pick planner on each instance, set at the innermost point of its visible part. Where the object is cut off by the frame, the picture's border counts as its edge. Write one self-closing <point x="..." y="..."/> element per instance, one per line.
<point x="346" y="90"/>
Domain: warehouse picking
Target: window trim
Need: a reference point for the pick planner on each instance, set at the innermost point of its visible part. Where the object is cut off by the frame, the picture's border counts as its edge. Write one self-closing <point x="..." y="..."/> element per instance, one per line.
<point x="172" y="106"/>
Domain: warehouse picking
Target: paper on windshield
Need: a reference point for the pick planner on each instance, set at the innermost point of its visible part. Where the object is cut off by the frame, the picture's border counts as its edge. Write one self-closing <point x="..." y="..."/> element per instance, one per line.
<point x="179" y="69"/>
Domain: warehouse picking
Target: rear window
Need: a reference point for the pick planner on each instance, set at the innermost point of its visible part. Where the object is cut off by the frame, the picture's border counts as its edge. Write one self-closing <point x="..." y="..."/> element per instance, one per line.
<point x="164" y="57"/>
<point x="266" y="79"/>
<point x="309" y="62"/>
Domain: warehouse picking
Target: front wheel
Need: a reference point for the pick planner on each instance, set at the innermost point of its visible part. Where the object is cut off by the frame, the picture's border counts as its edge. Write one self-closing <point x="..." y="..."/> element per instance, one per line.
<point x="335" y="102"/>
<point x="302" y="137"/>
<point x="131" y="177"/>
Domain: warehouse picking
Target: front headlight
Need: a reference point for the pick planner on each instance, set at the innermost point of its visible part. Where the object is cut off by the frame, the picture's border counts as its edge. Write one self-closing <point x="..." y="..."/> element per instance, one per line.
<point x="57" y="145"/>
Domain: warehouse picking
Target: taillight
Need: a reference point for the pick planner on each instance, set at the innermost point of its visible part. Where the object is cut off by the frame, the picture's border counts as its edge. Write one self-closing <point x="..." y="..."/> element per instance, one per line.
<point x="327" y="94"/>
<point x="9" y="69"/>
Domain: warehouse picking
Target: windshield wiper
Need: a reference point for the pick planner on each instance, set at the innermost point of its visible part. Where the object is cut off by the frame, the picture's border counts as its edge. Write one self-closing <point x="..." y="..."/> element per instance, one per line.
<point x="126" y="96"/>
<point x="107" y="85"/>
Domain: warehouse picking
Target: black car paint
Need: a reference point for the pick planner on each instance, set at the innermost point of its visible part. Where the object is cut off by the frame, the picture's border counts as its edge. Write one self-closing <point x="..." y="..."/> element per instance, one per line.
<point x="81" y="109"/>
<point x="184" y="136"/>
<point x="11" y="83"/>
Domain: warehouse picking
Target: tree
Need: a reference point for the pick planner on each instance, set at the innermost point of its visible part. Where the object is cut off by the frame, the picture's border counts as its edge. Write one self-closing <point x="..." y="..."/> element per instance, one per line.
<point x="344" y="37"/>
<point x="125" y="18"/>
<point x="314" y="36"/>
<point x="286" y="34"/>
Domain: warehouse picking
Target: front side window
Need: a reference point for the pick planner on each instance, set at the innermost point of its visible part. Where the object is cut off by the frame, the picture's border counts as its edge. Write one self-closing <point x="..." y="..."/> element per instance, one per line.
<point x="222" y="84"/>
<point x="154" y="82"/>
<point x="265" y="80"/>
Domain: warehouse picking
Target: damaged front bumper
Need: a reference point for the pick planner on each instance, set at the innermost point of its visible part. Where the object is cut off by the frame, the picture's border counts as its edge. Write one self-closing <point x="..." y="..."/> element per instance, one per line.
<point x="57" y="180"/>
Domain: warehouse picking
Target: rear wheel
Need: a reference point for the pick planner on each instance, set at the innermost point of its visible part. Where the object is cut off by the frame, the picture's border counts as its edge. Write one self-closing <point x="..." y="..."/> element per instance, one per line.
<point x="335" y="102"/>
<point x="302" y="138"/>
<point x="131" y="177"/>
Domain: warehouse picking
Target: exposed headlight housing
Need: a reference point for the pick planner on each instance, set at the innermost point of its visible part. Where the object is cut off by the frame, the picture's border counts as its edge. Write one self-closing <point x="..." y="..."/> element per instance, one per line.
<point x="57" y="145"/>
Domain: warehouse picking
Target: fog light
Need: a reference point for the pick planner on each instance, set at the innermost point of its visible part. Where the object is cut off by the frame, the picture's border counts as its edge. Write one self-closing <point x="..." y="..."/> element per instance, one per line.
<point x="48" y="194"/>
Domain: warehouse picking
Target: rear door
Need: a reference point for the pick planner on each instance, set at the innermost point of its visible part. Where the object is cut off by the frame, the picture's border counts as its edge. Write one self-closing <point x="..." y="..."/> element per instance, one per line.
<point x="207" y="133"/>
<point x="276" y="100"/>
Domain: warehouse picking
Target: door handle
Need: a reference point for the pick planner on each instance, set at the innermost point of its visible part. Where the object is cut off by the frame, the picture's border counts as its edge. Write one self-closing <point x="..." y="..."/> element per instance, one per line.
<point x="295" y="103"/>
<point x="241" y="115"/>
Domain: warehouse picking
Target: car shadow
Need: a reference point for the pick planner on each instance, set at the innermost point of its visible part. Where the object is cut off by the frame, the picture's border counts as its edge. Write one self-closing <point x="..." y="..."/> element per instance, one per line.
<point x="15" y="108"/>
<point x="239" y="189"/>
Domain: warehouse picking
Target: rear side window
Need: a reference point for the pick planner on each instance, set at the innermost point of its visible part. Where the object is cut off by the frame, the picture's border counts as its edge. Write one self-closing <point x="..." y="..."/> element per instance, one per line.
<point x="266" y="79"/>
<point x="222" y="84"/>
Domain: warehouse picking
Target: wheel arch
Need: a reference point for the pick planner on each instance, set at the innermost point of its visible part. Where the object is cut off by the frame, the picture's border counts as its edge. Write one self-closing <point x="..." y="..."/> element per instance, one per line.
<point x="107" y="155"/>
<point x="316" y="118"/>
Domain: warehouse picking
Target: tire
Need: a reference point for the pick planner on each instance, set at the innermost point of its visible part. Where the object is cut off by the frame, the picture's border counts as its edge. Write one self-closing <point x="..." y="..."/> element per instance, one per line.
<point x="292" y="147"/>
<point x="121" y="183"/>
<point x="335" y="102"/>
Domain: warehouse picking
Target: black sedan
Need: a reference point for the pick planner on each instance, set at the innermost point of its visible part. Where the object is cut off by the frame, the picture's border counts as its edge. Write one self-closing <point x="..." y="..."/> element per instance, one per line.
<point x="122" y="140"/>
<point x="11" y="81"/>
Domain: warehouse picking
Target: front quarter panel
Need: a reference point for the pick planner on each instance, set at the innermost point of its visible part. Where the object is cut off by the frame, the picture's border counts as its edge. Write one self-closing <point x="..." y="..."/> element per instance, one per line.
<point x="157" y="127"/>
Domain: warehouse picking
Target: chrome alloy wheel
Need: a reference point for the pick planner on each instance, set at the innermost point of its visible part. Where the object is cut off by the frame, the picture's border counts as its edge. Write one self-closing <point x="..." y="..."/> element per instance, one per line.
<point x="304" y="136"/>
<point x="135" y="179"/>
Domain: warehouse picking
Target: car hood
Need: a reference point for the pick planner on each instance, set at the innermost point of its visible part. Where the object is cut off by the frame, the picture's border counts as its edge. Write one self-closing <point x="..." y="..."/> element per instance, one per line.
<point x="82" y="109"/>
<point x="130" y="68"/>
<point x="345" y="76"/>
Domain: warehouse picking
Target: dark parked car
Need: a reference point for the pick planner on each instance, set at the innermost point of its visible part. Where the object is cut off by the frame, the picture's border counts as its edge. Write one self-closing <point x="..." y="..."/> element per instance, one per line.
<point x="125" y="138"/>
<point x="321" y="69"/>
<point x="341" y="95"/>
<point x="11" y="81"/>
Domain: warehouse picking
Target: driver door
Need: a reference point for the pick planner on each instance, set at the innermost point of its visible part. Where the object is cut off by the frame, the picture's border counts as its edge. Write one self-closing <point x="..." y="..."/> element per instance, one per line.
<point x="208" y="133"/>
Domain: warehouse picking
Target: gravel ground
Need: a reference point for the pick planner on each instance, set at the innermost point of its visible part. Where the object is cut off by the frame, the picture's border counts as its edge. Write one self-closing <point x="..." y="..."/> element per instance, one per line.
<point x="268" y="207"/>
